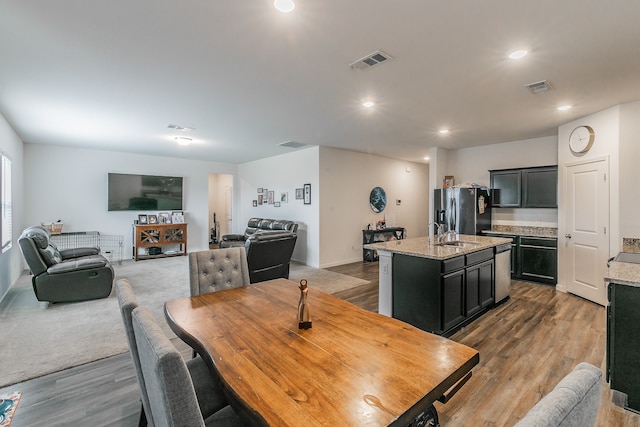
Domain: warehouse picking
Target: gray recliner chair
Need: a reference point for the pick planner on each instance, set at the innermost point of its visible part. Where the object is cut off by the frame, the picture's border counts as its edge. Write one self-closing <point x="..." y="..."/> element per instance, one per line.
<point x="69" y="275"/>
<point x="574" y="402"/>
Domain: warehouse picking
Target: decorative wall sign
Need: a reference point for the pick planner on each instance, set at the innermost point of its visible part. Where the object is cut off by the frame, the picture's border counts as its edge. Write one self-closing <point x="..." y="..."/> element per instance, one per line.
<point x="307" y="194"/>
<point x="377" y="199"/>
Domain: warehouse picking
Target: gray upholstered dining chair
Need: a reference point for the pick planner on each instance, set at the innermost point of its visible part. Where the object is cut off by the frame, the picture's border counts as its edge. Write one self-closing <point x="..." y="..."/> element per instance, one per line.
<point x="217" y="269"/>
<point x="171" y="395"/>
<point x="209" y="396"/>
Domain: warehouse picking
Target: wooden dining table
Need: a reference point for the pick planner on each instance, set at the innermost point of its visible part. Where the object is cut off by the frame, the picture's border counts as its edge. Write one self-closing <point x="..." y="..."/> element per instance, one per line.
<point x="353" y="367"/>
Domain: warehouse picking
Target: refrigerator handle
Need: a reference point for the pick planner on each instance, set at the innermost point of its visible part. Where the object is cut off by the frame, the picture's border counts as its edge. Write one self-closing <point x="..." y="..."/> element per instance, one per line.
<point x="454" y="215"/>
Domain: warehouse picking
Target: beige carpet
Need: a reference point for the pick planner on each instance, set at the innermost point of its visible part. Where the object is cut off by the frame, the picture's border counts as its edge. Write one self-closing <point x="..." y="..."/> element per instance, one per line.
<point x="40" y="338"/>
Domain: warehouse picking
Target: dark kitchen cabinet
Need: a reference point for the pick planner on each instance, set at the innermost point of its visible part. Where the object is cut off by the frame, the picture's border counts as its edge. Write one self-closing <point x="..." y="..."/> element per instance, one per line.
<point x="525" y="188"/>
<point x="540" y="187"/>
<point x="506" y="188"/>
<point x="623" y="345"/>
<point x="538" y="259"/>
<point x="441" y="296"/>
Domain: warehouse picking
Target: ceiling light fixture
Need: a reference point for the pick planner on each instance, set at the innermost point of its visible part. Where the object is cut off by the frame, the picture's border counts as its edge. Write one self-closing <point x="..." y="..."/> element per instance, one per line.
<point x="183" y="140"/>
<point x="517" y="54"/>
<point x="368" y="104"/>
<point x="284" y="6"/>
<point x="444" y="131"/>
<point x="564" y="108"/>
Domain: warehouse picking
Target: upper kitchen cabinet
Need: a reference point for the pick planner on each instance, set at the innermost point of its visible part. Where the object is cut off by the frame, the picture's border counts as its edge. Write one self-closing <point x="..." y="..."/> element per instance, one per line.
<point x="525" y="188"/>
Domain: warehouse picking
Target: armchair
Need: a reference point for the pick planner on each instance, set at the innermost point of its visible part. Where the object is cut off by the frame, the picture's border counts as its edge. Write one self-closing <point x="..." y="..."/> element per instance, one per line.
<point x="64" y="276"/>
<point x="269" y="255"/>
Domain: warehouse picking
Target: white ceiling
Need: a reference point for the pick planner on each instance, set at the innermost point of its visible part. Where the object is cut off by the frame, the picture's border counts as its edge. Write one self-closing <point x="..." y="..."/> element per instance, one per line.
<point x="113" y="74"/>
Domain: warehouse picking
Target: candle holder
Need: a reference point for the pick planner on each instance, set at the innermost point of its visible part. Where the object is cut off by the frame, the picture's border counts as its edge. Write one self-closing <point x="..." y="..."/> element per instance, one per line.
<point x="304" y="317"/>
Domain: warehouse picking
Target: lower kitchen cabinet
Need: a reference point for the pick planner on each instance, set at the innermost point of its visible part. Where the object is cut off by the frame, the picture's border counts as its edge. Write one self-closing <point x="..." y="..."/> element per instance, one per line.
<point x="538" y="259"/>
<point x="441" y="296"/>
<point x="533" y="258"/>
<point x="623" y="345"/>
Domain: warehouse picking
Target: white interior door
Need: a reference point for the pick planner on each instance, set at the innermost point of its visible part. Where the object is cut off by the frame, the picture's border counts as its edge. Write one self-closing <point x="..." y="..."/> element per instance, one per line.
<point x="587" y="221"/>
<point x="228" y="211"/>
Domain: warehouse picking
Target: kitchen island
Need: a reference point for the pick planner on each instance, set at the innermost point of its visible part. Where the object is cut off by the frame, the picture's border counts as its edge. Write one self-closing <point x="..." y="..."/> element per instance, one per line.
<point x="437" y="287"/>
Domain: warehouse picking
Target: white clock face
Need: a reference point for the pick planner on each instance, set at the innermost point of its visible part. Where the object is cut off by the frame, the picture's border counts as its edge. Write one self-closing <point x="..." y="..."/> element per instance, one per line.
<point x="581" y="139"/>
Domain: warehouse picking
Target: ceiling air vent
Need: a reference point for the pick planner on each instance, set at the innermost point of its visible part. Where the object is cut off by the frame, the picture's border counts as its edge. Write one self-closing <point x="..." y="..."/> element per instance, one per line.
<point x="539" y="87"/>
<point x="377" y="57"/>
<point x="292" y="144"/>
<point x="182" y="128"/>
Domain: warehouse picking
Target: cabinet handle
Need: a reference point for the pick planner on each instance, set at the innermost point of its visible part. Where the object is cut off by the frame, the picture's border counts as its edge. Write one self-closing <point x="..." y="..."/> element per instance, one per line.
<point x="568" y="236"/>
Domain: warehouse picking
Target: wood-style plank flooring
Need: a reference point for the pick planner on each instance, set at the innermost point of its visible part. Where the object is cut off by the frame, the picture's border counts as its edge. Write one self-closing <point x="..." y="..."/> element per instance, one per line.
<point x="526" y="345"/>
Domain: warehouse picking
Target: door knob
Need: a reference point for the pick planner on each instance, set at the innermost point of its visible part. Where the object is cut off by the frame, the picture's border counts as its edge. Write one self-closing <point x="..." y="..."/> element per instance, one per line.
<point x="568" y="236"/>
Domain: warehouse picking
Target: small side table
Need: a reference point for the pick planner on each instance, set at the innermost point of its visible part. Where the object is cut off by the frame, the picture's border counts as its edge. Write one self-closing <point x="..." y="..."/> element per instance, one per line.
<point x="373" y="236"/>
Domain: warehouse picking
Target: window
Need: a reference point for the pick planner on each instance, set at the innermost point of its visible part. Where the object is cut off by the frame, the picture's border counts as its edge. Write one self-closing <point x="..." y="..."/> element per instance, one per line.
<point x="7" y="208"/>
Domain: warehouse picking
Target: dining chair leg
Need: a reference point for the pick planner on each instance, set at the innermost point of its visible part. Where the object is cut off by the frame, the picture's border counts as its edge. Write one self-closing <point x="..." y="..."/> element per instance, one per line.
<point x="143" y="417"/>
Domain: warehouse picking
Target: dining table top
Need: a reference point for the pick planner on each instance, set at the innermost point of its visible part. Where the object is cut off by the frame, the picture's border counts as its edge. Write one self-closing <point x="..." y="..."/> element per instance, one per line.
<point x="352" y="367"/>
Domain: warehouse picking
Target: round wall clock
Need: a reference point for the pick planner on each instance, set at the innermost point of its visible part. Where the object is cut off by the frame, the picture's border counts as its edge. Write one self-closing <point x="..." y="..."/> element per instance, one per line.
<point x="377" y="199"/>
<point x="581" y="139"/>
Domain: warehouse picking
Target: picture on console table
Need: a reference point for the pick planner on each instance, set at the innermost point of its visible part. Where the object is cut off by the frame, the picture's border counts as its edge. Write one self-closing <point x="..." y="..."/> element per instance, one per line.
<point x="164" y="218"/>
<point x="153" y="219"/>
<point x="142" y="219"/>
<point x="177" y="217"/>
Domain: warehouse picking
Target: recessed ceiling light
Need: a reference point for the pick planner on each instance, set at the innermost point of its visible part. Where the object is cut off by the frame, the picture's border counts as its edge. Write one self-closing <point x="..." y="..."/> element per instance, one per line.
<point x="426" y="157"/>
<point x="284" y="6"/>
<point x="564" y="108"/>
<point x="517" y="54"/>
<point x="443" y="131"/>
<point x="183" y="140"/>
<point x="368" y="104"/>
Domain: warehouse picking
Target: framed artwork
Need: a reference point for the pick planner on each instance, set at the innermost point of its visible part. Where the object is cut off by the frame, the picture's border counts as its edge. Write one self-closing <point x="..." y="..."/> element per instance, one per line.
<point x="284" y="197"/>
<point x="260" y="199"/>
<point x="299" y="194"/>
<point x="270" y="197"/>
<point x="177" y="217"/>
<point x="142" y="219"/>
<point x="255" y="203"/>
<point x="153" y="219"/>
<point x="276" y="204"/>
<point x="448" y="181"/>
<point x="259" y="190"/>
<point x="164" y="218"/>
<point x="307" y="194"/>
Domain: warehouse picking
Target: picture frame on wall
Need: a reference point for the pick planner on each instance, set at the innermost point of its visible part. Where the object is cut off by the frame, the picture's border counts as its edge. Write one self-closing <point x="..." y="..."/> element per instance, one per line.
<point x="255" y="203"/>
<point x="284" y="197"/>
<point x="142" y="219"/>
<point x="260" y="199"/>
<point x="299" y="193"/>
<point x="276" y="204"/>
<point x="270" y="197"/>
<point x="307" y="194"/>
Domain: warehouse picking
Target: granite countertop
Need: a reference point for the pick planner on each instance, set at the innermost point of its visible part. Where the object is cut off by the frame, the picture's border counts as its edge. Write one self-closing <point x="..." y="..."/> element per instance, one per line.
<point x="519" y="230"/>
<point x="424" y="247"/>
<point x="623" y="273"/>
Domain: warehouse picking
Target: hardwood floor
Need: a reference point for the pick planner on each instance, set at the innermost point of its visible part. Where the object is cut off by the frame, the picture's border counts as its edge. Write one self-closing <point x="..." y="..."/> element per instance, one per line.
<point x="526" y="345"/>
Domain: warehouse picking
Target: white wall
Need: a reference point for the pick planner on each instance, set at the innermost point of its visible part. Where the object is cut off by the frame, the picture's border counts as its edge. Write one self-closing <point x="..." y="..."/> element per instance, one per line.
<point x="280" y="174"/>
<point x="346" y="180"/>
<point x="629" y="171"/>
<point x="70" y="184"/>
<point x="11" y="262"/>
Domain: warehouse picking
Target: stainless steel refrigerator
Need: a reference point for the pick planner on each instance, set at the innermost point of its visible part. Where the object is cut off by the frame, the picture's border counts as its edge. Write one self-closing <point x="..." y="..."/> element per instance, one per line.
<point x="464" y="210"/>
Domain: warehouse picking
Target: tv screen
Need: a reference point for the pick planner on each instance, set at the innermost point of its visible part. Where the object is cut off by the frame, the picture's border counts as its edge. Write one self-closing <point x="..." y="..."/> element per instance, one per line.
<point x="128" y="192"/>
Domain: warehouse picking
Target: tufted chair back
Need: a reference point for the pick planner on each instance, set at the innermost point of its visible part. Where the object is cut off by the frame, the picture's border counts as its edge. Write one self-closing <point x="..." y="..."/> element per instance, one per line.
<point x="217" y="269"/>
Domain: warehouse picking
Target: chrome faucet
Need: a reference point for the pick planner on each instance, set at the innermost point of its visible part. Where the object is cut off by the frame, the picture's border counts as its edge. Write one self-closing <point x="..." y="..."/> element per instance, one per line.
<point x="440" y="230"/>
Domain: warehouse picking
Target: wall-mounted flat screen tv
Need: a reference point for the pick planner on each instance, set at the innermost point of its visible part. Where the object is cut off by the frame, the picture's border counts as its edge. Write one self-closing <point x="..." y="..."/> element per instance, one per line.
<point x="128" y="192"/>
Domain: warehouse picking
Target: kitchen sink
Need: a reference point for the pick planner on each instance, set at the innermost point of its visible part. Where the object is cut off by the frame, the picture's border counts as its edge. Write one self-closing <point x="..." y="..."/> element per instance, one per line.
<point x="457" y="244"/>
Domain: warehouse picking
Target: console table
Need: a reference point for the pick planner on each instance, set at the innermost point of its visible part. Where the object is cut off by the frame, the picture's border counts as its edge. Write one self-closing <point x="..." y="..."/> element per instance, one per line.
<point x="373" y="236"/>
<point x="148" y="237"/>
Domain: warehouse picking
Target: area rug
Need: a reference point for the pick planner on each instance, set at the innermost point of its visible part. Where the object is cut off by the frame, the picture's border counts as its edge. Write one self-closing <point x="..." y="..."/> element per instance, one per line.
<point x="8" y="404"/>
<point x="40" y="338"/>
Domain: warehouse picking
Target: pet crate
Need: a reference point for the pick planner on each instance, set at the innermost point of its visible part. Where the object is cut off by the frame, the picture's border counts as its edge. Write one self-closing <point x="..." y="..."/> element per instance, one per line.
<point x="111" y="246"/>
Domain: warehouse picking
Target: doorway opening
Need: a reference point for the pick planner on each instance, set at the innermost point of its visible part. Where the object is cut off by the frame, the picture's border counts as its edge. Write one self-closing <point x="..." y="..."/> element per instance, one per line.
<point x="220" y="207"/>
